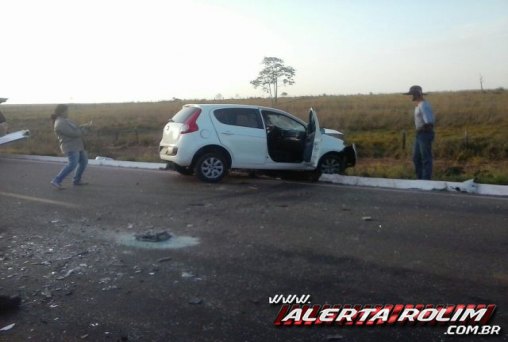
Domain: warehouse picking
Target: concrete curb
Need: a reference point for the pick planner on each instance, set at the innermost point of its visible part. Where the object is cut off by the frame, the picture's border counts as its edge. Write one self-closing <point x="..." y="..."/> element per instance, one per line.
<point x="99" y="161"/>
<point x="468" y="186"/>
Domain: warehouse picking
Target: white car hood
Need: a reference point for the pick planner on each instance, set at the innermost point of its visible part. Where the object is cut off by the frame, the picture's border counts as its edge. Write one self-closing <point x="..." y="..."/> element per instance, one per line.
<point x="333" y="133"/>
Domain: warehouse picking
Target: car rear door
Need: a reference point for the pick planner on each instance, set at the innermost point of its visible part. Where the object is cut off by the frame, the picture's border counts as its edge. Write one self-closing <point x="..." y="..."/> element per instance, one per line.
<point x="242" y="132"/>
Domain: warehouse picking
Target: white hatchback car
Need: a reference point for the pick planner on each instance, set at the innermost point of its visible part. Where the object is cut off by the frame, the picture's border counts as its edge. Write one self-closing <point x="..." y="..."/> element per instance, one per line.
<point x="211" y="139"/>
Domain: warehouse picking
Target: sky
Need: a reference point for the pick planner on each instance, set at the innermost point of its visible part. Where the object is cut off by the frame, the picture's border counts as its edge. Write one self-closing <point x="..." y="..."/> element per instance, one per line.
<point x="94" y="51"/>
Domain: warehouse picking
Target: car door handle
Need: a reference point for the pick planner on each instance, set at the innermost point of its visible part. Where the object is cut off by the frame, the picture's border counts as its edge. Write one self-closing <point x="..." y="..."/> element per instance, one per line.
<point x="228" y="133"/>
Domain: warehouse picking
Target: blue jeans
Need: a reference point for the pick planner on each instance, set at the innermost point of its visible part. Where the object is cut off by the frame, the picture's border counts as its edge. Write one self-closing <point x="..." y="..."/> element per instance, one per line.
<point x="422" y="154"/>
<point x="76" y="158"/>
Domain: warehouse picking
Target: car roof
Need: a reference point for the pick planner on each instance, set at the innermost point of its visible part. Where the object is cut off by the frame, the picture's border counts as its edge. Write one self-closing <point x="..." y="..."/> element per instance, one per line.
<point x="227" y="105"/>
<point x="212" y="106"/>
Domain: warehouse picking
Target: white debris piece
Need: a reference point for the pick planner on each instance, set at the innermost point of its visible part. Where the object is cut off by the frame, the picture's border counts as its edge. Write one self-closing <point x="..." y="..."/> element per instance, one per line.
<point x="468" y="186"/>
<point x="14" y="136"/>
<point x="8" y="327"/>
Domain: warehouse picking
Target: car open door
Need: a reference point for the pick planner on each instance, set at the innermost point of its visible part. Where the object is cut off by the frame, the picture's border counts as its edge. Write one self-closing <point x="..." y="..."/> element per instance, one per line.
<point x="313" y="140"/>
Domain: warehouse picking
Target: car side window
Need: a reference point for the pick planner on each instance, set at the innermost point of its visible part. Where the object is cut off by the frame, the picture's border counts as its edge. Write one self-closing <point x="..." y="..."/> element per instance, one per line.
<point x="244" y="117"/>
<point x="281" y="121"/>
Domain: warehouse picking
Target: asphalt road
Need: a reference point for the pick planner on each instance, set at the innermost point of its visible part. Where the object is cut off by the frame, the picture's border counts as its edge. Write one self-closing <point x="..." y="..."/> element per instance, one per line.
<point x="67" y="254"/>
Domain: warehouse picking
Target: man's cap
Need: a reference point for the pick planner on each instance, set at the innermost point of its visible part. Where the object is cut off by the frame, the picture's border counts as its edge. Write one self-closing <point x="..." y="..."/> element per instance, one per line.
<point x="415" y="90"/>
<point x="3" y="99"/>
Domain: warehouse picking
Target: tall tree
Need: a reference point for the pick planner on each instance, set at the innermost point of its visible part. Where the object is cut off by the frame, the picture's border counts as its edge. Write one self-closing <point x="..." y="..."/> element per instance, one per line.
<point x="273" y="75"/>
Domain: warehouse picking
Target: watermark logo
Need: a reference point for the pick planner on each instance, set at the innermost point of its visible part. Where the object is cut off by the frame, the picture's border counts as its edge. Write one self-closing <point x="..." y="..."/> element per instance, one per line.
<point x="289" y="299"/>
<point x="460" y="319"/>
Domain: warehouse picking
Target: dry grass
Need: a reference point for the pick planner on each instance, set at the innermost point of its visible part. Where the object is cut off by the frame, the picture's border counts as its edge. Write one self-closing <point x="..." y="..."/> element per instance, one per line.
<point x="471" y="134"/>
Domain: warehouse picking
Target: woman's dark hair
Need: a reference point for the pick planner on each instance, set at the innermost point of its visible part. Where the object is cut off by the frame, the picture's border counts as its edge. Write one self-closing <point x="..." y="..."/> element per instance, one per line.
<point x="59" y="111"/>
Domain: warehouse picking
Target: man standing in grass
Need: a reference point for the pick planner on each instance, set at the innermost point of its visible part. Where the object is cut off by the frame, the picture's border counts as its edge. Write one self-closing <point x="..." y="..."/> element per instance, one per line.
<point x="424" y="122"/>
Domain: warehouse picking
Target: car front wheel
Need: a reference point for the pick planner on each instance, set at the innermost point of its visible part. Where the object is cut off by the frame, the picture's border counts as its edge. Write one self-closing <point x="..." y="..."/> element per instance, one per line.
<point x="211" y="167"/>
<point x="331" y="164"/>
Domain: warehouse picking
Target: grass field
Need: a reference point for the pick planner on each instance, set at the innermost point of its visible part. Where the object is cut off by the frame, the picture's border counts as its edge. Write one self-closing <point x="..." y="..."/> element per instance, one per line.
<point x="471" y="130"/>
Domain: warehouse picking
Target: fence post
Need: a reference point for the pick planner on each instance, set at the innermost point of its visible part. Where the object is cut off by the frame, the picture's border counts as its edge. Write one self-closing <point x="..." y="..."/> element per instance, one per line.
<point x="404" y="140"/>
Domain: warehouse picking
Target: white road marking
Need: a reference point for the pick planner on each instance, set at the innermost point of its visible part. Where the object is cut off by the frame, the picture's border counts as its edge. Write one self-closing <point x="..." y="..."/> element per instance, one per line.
<point x="38" y="199"/>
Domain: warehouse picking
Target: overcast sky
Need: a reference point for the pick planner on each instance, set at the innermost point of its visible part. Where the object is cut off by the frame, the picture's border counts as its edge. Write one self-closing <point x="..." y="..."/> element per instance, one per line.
<point x="122" y="50"/>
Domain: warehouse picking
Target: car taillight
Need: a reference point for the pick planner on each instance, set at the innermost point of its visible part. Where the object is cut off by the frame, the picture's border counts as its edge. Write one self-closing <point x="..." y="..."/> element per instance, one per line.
<point x="190" y="125"/>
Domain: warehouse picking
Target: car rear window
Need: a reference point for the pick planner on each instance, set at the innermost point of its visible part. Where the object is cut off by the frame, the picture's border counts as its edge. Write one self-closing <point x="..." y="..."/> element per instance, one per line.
<point x="183" y="114"/>
<point x="245" y="117"/>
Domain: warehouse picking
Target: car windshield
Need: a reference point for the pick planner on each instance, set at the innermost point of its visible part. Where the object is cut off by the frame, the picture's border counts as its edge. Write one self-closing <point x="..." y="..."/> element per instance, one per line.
<point x="283" y="122"/>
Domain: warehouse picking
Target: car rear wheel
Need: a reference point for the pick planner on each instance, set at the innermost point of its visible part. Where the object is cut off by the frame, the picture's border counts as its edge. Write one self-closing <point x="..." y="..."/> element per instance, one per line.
<point x="331" y="164"/>
<point x="211" y="167"/>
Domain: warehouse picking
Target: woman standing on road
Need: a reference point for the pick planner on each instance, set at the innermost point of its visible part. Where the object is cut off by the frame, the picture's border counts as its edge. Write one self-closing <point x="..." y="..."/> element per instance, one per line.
<point x="69" y="136"/>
